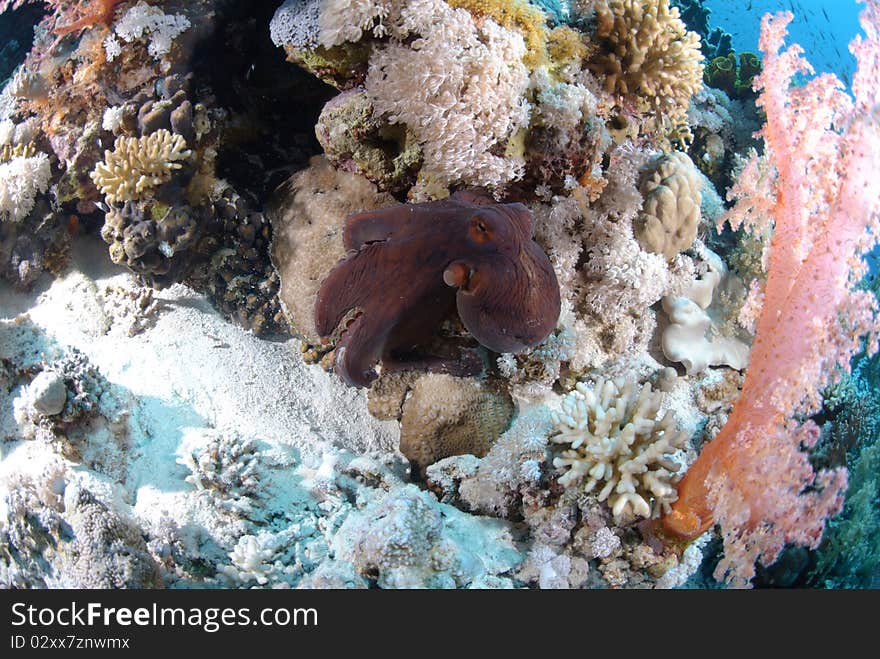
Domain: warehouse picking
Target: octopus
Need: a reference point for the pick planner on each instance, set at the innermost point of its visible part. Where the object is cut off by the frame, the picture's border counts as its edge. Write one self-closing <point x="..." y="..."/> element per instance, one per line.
<point x="406" y="269"/>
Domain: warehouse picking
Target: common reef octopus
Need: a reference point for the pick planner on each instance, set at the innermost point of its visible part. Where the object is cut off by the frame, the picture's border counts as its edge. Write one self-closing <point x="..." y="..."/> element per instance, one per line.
<point x="406" y="266"/>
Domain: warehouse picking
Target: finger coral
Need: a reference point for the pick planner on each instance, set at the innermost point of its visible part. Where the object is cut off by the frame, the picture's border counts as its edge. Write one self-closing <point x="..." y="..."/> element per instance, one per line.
<point x="648" y="52"/>
<point x="615" y="435"/>
<point x="139" y="164"/>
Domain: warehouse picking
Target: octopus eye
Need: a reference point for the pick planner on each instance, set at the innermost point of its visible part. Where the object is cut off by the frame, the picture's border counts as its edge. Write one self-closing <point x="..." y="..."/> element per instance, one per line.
<point x="479" y="231"/>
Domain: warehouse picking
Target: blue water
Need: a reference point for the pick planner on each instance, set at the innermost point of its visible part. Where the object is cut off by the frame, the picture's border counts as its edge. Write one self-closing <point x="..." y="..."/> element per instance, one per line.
<point x="824" y="36"/>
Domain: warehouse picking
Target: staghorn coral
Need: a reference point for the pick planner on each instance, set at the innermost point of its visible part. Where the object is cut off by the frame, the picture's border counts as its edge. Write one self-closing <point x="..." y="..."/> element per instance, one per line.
<point x="611" y="434"/>
<point x="446" y="416"/>
<point x="755" y="478"/>
<point x="647" y="51"/>
<point x="138" y="164"/>
<point x="227" y="468"/>
<point x="670" y="215"/>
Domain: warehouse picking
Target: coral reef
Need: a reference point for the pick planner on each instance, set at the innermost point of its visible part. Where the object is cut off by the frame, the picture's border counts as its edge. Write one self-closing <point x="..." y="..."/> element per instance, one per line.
<point x="67" y="538"/>
<point x="404" y="540"/>
<point x="506" y="217"/>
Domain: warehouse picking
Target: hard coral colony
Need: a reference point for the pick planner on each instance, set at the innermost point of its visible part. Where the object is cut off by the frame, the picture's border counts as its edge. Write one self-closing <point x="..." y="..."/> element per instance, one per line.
<point x="535" y="346"/>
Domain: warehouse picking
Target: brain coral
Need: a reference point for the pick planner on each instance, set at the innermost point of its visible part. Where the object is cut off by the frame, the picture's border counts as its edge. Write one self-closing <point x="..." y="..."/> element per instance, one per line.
<point x="648" y="51"/>
<point x="671" y="212"/>
<point x="446" y="416"/>
<point x="613" y="435"/>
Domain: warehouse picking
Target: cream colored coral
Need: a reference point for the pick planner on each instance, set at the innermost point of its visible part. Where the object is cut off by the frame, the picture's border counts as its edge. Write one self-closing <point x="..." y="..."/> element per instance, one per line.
<point x="695" y="338"/>
<point x="446" y="416"/>
<point x="615" y="436"/>
<point x="670" y="215"/>
<point x="460" y="88"/>
<point x="138" y="164"/>
<point x="648" y="51"/>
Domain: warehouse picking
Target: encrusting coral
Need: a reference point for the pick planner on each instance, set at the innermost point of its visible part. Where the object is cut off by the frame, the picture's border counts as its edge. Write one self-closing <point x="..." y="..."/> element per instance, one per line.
<point x="139" y="164"/>
<point x="693" y="337"/>
<point x="612" y="434"/>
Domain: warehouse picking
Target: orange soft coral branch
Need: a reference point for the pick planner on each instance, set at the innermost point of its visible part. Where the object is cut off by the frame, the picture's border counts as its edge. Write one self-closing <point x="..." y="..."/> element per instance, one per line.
<point x="98" y="11"/>
<point x="753" y="478"/>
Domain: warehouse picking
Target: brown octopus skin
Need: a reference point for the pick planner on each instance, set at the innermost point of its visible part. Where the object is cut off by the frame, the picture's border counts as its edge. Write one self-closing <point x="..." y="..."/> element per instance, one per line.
<point x="407" y="265"/>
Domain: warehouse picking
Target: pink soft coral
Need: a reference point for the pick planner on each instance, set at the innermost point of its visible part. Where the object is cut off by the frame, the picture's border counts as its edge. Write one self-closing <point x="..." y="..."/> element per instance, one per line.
<point x="754" y="478"/>
<point x="87" y="13"/>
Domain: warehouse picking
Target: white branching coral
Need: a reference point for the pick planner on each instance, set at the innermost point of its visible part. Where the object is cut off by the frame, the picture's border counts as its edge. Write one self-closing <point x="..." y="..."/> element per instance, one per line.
<point x="138" y="164"/>
<point x="20" y="180"/>
<point x="614" y="435"/>
<point x="226" y="465"/>
<point x="143" y="19"/>
<point x="460" y="88"/>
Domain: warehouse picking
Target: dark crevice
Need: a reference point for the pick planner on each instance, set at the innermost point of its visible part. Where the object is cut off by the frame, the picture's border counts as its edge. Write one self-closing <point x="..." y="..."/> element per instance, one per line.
<point x="273" y="105"/>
